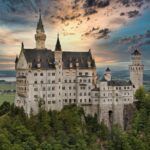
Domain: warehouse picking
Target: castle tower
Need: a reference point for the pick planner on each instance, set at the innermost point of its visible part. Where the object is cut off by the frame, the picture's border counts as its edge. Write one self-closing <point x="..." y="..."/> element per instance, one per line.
<point x="136" y="70"/>
<point x="107" y="74"/>
<point x="40" y="35"/>
<point x="58" y="66"/>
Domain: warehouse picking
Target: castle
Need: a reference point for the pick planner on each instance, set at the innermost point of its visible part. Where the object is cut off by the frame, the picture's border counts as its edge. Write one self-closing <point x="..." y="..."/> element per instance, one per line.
<point x="53" y="79"/>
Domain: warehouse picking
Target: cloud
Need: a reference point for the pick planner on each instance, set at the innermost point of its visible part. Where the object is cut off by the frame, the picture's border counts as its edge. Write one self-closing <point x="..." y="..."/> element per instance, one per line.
<point x="133" y="13"/>
<point x="136" y="41"/>
<point x="97" y="33"/>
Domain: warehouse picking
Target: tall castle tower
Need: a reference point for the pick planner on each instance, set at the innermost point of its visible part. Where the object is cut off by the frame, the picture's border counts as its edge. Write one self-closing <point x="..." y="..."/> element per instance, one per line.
<point x="40" y="35"/>
<point x="136" y="70"/>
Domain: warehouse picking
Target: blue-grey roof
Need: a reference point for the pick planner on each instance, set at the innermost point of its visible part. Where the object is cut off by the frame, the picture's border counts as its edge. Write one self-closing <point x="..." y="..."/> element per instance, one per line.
<point x="119" y="83"/>
<point x="47" y="60"/>
<point x="44" y="57"/>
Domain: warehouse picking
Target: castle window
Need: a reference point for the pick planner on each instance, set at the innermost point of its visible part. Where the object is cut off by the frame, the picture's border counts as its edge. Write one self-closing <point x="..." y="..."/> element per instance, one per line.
<point x="74" y="94"/>
<point x="35" y="74"/>
<point x="53" y="74"/>
<point x="96" y="94"/>
<point x="86" y="73"/>
<point x="80" y="73"/>
<point x="43" y="95"/>
<point x="53" y="102"/>
<point x="53" y="81"/>
<point x="69" y="87"/>
<point x="53" y="88"/>
<point x="84" y="81"/>
<point x="35" y="96"/>
<point x="35" y="89"/>
<point x="70" y="81"/>
<point x="66" y="100"/>
<point x="65" y="81"/>
<point x="89" y="80"/>
<point x="119" y="88"/>
<point x="70" y="94"/>
<point x="84" y="94"/>
<point x="35" y="82"/>
<point x="74" y="80"/>
<point x="49" y="95"/>
<point x="43" y="88"/>
<point x="89" y="100"/>
<point x="80" y="80"/>
<point x="89" y="94"/>
<point x="125" y="88"/>
<point x="80" y="94"/>
<point x="53" y="95"/>
<point x="41" y="74"/>
<point x="63" y="88"/>
<point x="49" y="102"/>
<point x="59" y="80"/>
<point x="116" y="94"/>
<point x="85" y="100"/>
<point x="42" y="82"/>
<point x="116" y="100"/>
<point x="80" y="100"/>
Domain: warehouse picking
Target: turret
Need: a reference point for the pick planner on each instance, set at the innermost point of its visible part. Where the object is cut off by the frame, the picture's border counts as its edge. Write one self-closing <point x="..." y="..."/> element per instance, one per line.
<point x="136" y="69"/>
<point x="107" y="75"/>
<point x="40" y="35"/>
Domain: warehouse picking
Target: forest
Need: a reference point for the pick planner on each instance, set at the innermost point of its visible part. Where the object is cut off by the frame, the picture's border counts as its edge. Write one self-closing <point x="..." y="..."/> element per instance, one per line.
<point x="70" y="129"/>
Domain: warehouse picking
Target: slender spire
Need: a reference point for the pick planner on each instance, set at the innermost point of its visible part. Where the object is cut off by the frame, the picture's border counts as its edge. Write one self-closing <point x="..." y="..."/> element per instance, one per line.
<point x="58" y="46"/>
<point x="40" y="26"/>
<point x="22" y="46"/>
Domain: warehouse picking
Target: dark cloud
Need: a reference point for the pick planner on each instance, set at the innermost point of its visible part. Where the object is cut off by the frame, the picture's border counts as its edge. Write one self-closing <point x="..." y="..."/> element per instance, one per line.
<point x="136" y="41"/>
<point x="104" y="33"/>
<point x="96" y="3"/>
<point x="98" y="33"/>
<point x="90" y="11"/>
<point x="133" y="13"/>
<point x="137" y="3"/>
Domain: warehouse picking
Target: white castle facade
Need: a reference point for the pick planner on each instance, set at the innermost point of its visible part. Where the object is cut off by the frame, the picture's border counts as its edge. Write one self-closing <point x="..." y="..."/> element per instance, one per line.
<point x="53" y="79"/>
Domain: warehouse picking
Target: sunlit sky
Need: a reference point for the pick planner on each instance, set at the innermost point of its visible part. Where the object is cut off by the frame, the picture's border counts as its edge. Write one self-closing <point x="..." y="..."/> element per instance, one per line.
<point x="112" y="29"/>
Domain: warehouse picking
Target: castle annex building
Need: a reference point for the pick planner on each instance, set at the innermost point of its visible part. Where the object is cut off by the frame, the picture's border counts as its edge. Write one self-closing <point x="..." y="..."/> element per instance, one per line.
<point x="53" y="79"/>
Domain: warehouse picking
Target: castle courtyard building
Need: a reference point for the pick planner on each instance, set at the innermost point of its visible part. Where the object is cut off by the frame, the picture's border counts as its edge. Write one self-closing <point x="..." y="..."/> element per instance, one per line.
<point x="53" y="79"/>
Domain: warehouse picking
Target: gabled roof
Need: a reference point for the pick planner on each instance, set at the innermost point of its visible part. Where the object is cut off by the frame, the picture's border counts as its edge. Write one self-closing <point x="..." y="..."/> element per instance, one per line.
<point x="47" y="60"/>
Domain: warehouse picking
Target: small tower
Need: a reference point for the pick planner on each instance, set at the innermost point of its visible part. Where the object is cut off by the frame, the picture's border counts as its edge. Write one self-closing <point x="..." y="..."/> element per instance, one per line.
<point x="58" y="79"/>
<point x="40" y="35"/>
<point x="107" y="75"/>
<point x="136" y="70"/>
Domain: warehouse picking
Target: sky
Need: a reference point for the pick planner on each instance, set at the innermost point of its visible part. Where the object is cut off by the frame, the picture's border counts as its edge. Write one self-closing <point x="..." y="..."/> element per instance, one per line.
<point x="112" y="29"/>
